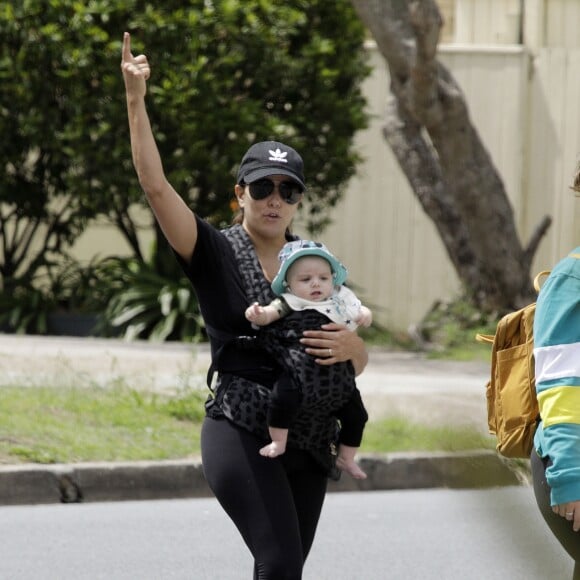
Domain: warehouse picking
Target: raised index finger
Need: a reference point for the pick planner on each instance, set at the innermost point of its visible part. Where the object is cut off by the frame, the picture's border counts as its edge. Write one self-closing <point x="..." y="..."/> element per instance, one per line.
<point x="127" y="56"/>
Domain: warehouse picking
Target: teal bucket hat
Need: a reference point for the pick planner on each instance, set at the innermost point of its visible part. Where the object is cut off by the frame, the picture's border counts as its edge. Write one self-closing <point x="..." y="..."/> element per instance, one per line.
<point x="298" y="249"/>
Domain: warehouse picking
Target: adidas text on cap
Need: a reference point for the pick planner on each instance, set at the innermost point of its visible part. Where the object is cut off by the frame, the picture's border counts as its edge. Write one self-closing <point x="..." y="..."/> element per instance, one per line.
<point x="271" y="158"/>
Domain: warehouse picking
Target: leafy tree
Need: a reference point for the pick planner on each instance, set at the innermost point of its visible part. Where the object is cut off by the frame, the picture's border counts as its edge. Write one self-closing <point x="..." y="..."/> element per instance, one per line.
<point x="428" y="127"/>
<point x="225" y="73"/>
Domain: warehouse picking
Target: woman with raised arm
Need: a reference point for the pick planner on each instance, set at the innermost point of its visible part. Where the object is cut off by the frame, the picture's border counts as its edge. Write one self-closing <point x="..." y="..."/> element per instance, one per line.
<point x="275" y="503"/>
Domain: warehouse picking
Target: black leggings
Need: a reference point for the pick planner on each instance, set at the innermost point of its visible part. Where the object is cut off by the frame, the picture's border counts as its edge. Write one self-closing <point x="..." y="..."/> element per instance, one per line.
<point x="561" y="528"/>
<point x="275" y="503"/>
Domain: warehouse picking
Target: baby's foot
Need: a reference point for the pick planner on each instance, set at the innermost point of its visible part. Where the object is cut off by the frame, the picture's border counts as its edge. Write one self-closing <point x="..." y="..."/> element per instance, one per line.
<point x="351" y="467"/>
<point x="273" y="449"/>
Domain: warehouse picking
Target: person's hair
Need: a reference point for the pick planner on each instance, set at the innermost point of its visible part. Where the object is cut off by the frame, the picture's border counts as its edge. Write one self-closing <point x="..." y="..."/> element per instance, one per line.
<point x="576" y="182"/>
<point x="239" y="215"/>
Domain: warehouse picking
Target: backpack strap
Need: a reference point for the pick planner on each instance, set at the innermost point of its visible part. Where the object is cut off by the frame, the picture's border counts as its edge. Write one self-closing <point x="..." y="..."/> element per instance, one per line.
<point x="538" y="277"/>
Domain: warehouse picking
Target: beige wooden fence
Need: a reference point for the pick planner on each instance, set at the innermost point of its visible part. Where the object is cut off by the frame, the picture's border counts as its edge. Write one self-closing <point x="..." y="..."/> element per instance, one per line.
<point x="487" y="21"/>
<point x="548" y="23"/>
<point x="526" y="110"/>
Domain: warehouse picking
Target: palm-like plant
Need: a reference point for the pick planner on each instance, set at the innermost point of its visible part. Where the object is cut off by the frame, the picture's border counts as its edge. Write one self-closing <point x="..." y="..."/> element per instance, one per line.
<point x="144" y="304"/>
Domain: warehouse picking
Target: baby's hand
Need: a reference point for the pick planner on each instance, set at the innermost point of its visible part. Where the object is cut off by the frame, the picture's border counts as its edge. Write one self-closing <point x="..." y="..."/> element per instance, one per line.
<point x="365" y="318"/>
<point x="257" y="314"/>
<point x="254" y="312"/>
<point x="261" y="315"/>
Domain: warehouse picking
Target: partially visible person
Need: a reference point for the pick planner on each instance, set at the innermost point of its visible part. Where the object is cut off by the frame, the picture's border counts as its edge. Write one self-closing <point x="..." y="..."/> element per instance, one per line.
<point x="274" y="503"/>
<point x="555" y="459"/>
<point x="310" y="279"/>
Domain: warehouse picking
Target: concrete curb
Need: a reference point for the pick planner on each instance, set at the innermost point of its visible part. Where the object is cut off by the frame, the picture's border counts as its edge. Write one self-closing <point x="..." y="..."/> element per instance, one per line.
<point x="144" y="480"/>
<point x="460" y="470"/>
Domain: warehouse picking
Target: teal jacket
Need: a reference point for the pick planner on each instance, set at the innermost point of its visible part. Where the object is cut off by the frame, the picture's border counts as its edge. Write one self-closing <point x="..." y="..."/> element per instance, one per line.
<point x="557" y="360"/>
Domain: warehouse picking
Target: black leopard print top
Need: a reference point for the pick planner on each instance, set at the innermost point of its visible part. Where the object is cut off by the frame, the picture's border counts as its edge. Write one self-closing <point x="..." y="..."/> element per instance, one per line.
<point x="227" y="277"/>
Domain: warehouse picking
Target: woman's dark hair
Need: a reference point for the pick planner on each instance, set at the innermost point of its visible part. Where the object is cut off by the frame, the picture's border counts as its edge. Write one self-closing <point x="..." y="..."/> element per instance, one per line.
<point x="576" y="183"/>
<point x="239" y="215"/>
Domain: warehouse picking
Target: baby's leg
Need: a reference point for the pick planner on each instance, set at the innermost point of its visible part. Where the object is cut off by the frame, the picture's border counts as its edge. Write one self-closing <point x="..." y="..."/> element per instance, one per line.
<point x="278" y="445"/>
<point x="345" y="462"/>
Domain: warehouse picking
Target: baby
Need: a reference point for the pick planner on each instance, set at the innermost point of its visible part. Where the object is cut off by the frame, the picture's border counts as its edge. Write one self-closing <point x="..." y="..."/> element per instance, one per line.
<point x="311" y="278"/>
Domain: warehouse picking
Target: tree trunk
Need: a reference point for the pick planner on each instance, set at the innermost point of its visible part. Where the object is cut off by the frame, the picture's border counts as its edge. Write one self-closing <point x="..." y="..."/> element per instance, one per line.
<point x="428" y="127"/>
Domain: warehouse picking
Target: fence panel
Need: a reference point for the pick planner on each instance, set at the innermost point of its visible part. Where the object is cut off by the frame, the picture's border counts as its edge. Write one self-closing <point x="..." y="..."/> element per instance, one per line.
<point x="562" y="18"/>
<point x="487" y="21"/>
<point x="530" y="126"/>
<point x="553" y="151"/>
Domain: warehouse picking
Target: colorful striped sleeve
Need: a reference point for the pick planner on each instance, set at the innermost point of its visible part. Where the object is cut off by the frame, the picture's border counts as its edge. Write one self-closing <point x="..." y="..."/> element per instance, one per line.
<point x="557" y="361"/>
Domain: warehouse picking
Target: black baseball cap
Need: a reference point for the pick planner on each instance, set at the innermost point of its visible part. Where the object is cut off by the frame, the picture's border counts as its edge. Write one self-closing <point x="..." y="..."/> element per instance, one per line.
<point x="271" y="158"/>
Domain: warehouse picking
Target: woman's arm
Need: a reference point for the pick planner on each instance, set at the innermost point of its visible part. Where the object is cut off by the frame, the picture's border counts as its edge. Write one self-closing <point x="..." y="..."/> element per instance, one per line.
<point x="334" y="343"/>
<point x="176" y="220"/>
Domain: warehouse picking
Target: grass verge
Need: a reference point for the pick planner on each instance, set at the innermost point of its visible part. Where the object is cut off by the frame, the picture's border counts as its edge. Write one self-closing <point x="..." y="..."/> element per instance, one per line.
<point x="71" y="425"/>
<point x="399" y="434"/>
<point x="62" y="425"/>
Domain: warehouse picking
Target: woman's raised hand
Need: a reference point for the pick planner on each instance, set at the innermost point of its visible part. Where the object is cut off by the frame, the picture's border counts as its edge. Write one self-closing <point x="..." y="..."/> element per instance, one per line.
<point x="135" y="70"/>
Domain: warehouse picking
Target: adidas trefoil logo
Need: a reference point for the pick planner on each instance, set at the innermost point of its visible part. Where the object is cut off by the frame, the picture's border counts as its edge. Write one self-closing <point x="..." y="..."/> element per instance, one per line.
<point x="278" y="156"/>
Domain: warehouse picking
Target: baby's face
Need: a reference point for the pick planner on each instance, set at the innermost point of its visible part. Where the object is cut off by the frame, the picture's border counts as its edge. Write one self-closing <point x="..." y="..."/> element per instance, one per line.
<point x="310" y="278"/>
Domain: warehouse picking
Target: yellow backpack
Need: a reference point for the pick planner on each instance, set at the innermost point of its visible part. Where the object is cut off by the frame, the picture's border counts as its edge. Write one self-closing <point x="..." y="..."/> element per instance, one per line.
<point x="512" y="405"/>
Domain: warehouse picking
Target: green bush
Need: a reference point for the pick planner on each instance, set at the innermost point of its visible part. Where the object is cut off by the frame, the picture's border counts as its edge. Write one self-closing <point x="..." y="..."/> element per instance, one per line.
<point x="224" y="74"/>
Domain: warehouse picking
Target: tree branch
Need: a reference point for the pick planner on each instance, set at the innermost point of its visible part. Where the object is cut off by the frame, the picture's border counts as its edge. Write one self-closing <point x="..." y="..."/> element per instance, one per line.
<point x="423" y="89"/>
<point x="420" y="166"/>
<point x="427" y="23"/>
<point x="126" y="225"/>
<point x="391" y="29"/>
<point x="429" y="129"/>
<point x="537" y="235"/>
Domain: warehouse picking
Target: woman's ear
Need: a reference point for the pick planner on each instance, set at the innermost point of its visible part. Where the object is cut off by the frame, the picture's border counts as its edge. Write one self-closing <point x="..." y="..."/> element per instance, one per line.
<point x="239" y="192"/>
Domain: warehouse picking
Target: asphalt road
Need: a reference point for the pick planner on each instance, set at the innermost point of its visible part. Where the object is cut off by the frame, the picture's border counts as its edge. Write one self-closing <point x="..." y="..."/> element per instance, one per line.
<point x="494" y="534"/>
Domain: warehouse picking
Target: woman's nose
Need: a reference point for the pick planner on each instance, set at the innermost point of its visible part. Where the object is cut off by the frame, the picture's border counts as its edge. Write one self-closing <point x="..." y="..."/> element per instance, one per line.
<point x="275" y="199"/>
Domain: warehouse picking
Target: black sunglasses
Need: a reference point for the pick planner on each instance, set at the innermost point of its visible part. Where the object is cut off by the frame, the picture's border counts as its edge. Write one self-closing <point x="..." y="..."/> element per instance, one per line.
<point x="289" y="191"/>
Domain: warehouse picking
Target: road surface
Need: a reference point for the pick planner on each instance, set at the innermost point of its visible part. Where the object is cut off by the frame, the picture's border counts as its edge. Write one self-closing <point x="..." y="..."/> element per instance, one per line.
<point x="440" y="534"/>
